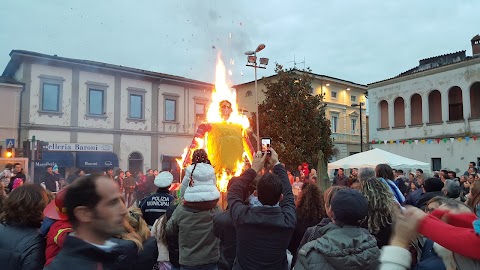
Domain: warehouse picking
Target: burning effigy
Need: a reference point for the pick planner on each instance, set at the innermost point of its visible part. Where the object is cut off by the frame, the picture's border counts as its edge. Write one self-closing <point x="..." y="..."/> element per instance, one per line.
<point x="224" y="134"/>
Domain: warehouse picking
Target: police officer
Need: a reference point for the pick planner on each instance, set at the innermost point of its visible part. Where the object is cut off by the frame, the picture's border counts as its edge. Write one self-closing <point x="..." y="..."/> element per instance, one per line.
<point x="155" y="205"/>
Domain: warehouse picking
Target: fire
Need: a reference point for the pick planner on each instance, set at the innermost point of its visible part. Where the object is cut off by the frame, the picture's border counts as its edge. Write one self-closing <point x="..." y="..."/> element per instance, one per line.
<point x="221" y="92"/>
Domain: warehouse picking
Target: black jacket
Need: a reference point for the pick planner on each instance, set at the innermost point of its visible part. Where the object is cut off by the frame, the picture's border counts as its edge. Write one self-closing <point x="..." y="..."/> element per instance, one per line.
<point x="77" y="254"/>
<point x="413" y="197"/>
<point x="422" y="202"/>
<point x="21" y="248"/>
<point x="50" y="181"/>
<point x="155" y="205"/>
<point x="12" y="180"/>
<point x="312" y="233"/>
<point x="263" y="233"/>
<point x="145" y="259"/>
<point x="297" y="236"/>
<point x="225" y="231"/>
<point x="148" y="256"/>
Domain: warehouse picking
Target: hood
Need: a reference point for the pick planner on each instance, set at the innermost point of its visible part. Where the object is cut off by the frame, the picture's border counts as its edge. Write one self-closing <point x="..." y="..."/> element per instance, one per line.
<point x="347" y="247"/>
<point x="202" y="188"/>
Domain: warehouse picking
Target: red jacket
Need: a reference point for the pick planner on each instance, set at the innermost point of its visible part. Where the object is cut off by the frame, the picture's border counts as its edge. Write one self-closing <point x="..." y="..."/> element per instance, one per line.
<point x="55" y="238"/>
<point x="457" y="235"/>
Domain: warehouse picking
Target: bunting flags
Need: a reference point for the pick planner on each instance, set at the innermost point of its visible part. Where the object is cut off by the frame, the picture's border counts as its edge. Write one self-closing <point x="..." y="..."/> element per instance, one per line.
<point x="468" y="139"/>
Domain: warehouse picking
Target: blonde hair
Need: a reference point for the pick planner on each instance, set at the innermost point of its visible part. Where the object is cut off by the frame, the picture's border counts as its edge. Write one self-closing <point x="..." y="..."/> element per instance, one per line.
<point x="380" y="204"/>
<point x="135" y="218"/>
<point x="136" y="229"/>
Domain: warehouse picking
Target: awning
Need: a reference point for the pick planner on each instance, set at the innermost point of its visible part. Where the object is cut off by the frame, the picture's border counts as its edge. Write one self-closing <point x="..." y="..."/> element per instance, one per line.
<point x="61" y="159"/>
<point x="96" y="159"/>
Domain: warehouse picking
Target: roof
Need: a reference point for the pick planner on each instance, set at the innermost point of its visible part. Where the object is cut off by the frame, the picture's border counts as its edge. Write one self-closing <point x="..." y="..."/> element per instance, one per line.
<point x="9" y="80"/>
<point x="325" y="77"/>
<point x="16" y="56"/>
<point x="432" y="63"/>
<point x="475" y="38"/>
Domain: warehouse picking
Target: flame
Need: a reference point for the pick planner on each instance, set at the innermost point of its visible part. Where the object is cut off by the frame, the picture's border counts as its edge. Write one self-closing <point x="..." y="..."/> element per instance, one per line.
<point x="221" y="92"/>
<point x="222" y="181"/>
<point x="180" y="160"/>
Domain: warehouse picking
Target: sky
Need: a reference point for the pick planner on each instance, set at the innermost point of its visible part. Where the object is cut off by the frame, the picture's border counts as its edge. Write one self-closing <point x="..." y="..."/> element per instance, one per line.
<point x="360" y="41"/>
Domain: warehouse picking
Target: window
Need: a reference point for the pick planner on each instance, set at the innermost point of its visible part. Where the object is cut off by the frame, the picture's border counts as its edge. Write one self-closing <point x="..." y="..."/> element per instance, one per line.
<point x="170" y="101"/>
<point x="435" y="107"/>
<point x="170" y="110"/>
<point x="136" y="103"/>
<point x="475" y="100"/>
<point x="353" y="126"/>
<point x="334" y="95"/>
<point x="248" y="94"/>
<point x="353" y="98"/>
<point x="51" y="97"/>
<point x="436" y="164"/>
<point x="51" y="88"/>
<point x="96" y="99"/>
<point x="416" y="109"/>
<point x="455" y="104"/>
<point x="399" y="112"/>
<point x="200" y="114"/>
<point x="383" y="107"/>
<point x="334" y="123"/>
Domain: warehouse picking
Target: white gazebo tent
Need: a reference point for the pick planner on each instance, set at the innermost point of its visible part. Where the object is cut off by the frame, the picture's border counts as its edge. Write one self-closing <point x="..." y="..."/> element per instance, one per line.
<point x="371" y="158"/>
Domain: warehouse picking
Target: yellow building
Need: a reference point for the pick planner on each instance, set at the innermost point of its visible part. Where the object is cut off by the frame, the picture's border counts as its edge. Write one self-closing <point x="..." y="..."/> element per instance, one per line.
<point x="339" y="95"/>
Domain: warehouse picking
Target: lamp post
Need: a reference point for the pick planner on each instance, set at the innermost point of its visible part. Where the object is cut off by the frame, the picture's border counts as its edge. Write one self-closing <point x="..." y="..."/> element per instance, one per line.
<point x="361" y="126"/>
<point x="252" y="62"/>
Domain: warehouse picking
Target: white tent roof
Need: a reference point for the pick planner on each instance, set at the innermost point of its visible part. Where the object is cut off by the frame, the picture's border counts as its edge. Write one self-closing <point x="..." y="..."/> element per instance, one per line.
<point x="372" y="158"/>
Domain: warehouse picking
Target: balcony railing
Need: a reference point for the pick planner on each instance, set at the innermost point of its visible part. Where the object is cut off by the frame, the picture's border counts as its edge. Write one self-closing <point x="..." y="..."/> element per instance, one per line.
<point x="345" y="138"/>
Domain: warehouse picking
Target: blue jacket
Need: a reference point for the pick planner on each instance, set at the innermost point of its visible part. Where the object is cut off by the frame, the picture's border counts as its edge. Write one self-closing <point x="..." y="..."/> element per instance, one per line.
<point x="155" y="205"/>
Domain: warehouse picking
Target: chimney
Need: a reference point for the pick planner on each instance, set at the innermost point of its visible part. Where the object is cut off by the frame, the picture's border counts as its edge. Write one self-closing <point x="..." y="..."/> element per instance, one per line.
<point x="476" y="46"/>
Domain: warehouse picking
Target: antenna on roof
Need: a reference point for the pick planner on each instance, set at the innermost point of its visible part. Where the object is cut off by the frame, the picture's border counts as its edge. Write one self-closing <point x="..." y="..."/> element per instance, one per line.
<point x="295" y="62"/>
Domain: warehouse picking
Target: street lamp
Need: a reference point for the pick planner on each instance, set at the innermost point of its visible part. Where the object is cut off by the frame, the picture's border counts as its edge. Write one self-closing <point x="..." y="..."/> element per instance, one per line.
<point x="361" y="126"/>
<point x="252" y="62"/>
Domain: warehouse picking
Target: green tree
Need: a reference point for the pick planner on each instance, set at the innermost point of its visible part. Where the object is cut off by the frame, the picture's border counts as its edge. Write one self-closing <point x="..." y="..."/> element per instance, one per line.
<point x="294" y="118"/>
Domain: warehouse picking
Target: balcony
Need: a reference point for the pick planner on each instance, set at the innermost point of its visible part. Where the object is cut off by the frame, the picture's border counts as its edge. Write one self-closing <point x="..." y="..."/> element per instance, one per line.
<point x="345" y="138"/>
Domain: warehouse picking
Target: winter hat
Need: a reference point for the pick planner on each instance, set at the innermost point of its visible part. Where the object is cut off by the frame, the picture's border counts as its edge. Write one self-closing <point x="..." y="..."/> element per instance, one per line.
<point x="163" y="180"/>
<point x="56" y="208"/>
<point x="349" y="206"/>
<point x="55" y="168"/>
<point x="201" y="187"/>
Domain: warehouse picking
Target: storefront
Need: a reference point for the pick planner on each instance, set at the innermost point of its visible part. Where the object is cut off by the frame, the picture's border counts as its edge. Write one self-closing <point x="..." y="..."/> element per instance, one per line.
<point x="70" y="157"/>
<point x="96" y="161"/>
<point x="63" y="160"/>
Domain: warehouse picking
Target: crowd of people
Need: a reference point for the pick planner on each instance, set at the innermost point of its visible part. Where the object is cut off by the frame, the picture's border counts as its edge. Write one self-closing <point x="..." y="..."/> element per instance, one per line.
<point x="275" y="219"/>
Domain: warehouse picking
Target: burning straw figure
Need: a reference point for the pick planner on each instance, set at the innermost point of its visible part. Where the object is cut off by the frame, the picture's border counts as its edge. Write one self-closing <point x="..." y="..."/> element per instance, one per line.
<point x="224" y="136"/>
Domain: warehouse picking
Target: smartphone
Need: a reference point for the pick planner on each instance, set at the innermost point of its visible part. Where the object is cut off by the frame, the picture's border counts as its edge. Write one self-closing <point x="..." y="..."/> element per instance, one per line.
<point x="266" y="143"/>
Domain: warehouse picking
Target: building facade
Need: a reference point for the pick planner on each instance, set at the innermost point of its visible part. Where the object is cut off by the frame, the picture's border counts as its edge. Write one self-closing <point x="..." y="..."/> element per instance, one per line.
<point x="10" y="91"/>
<point x="431" y="113"/>
<point x="339" y="95"/>
<point x="96" y="115"/>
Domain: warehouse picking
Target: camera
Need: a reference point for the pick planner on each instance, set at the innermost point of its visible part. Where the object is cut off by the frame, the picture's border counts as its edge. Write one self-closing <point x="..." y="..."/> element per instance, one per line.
<point x="266" y="144"/>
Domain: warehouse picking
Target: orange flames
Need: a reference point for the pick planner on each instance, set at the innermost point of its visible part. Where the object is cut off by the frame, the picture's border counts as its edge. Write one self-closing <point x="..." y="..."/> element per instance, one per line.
<point x="221" y="92"/>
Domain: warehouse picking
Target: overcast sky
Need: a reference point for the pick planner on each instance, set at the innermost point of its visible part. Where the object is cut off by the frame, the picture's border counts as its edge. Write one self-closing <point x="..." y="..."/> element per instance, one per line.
<point x="361" y="41"/>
